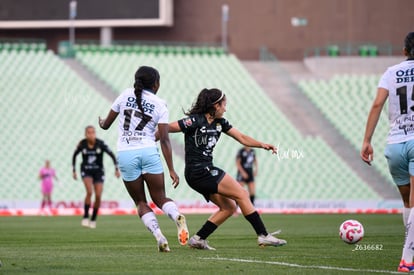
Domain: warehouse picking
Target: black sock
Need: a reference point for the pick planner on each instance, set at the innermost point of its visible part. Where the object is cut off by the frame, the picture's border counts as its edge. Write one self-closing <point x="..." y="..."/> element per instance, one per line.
<point x="257" y="223"/>
<point x="86" y="211"/>
<point x="94" y="214"/>
<point x="252" y="198"/>
<point x="206" y="230"/>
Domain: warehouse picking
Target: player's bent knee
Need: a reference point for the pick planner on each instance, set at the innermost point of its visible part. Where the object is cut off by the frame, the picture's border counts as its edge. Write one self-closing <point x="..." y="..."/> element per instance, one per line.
<point x="233" y="209"/>
<point x="243" y="195"/>
<point x="228" y="211"/>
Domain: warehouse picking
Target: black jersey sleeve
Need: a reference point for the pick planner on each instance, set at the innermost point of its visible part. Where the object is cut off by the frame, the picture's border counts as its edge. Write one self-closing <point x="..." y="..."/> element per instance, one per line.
<point x="225" y="124"/>
<point x="78" y="149"/>
<point x="187" y="124"/>
<point x="107" y="150"/>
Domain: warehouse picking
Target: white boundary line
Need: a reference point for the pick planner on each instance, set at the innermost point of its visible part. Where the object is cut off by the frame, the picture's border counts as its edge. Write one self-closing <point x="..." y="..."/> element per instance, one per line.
<point x="300" y="266"/>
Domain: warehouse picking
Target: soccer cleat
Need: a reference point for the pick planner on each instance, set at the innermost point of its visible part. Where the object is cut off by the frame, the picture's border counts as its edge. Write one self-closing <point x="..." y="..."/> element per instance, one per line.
<point x="92" y="224"/>
<point x="196" y="242"/>
<point x="163" y="245"/>
<point x="270" y="240"/>
<point x="85" y="222"/>
<point x="182" y="229"/>
<point x="405" y="267"/>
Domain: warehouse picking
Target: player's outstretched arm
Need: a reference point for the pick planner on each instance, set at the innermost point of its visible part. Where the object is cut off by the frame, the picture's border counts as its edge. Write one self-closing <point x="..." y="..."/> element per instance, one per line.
<point x="107" y="122"/>
<point x="172" y="128"/>
<point x="249" y="141"/>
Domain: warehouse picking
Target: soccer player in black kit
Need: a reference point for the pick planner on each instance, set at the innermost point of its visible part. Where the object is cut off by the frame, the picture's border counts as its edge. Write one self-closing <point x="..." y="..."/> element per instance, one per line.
<point x="92" y="171"/>
<point x="202" y="128"/>
<point x="246" y="163"/>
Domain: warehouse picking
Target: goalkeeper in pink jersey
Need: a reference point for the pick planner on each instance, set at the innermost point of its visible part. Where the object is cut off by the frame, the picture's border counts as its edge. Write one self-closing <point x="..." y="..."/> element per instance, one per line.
<point x="46" y="175"/>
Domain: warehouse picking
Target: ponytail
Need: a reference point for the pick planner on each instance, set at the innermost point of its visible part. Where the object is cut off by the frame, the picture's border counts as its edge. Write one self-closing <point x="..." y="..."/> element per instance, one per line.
<point x="145" y="78"/>
<point x="138" y="94"/>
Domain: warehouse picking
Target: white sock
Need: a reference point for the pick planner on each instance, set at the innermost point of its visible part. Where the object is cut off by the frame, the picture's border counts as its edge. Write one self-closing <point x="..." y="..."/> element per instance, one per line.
<point x="405" y="214"/>
<point x="171" y="209"/>
<point x="408" y="253"/>
<point x="151" y="222"/>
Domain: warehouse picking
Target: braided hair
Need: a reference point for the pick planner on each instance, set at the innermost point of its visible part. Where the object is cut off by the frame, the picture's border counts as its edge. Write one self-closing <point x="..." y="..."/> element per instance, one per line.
<point x="145" y="78"/>
<point x="205" y="102"/>
<point x="409" y="44"/>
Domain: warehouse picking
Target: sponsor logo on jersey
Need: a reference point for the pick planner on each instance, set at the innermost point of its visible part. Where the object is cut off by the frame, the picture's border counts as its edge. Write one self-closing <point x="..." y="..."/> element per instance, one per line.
<point x="214" y="172"/>
<point x="188" y="122"/>
<point x="148" y="107"/>
<point x="218" y="127"/>
<point x="406" y="128"/>
<point x="405" y="76"/>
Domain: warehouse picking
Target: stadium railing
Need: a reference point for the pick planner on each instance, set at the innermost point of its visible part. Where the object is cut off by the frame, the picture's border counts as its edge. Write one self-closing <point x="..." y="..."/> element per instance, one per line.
<point x="363" y="49"/>
<point x="146" y="47"/>
<point x="22" y="45"/>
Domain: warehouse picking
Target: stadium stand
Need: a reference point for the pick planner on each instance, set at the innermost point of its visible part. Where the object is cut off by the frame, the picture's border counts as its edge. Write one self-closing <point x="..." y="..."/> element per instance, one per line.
<point x="345" y="101"/>
<point x="45" y="109"/>
<point x="46" y="106"/>
<point x="294" y="174"/>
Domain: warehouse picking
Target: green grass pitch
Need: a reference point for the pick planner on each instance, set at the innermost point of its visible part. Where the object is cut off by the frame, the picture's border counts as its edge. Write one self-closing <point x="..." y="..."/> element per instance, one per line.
<point x="122" y="245"/>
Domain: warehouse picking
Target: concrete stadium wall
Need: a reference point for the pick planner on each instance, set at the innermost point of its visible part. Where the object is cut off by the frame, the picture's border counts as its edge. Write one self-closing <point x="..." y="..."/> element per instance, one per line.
<point x="267" y="23"/>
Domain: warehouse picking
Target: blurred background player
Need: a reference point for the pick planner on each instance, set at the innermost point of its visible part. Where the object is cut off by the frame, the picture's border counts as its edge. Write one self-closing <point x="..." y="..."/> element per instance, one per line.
<point x="46" y="175"/>
<point x="202" y="129"/>
<point x="247" y="167"/>
<point x="92" y="171"/>
<point x="397" y="85"/>
<point x="141" y="112"/>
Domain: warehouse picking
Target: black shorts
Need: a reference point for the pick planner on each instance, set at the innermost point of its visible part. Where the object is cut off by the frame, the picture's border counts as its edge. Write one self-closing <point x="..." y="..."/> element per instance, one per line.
<point x="97" y="175"/>
<point x="204" y="179"/>
<point x="249" y="179"/>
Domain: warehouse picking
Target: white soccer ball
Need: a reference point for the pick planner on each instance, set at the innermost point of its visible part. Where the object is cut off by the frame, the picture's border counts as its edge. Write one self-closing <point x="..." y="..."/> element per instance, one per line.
<point x="351" y="231"/>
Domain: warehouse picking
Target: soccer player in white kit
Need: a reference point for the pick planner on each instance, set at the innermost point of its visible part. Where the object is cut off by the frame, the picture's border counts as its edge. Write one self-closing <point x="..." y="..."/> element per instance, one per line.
<point x="141" y="112"/>
<point x="397" y="84"/>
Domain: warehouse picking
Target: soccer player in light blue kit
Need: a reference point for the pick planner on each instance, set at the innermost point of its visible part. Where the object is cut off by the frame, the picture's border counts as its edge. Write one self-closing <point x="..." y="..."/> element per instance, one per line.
<point x="141" y="112"/>
<point x="397" y="84"/>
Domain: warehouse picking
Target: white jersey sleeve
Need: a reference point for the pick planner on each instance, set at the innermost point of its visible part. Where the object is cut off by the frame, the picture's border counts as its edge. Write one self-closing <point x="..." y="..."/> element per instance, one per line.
<point x="164" y="116"/>
<point x="398" y="80"/>
<point x="137" y="130"/>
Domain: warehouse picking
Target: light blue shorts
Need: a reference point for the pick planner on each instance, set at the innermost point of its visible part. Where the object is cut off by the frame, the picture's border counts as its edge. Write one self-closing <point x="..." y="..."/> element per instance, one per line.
<point x="134" y="163"/>
<point x="400" y="157"/>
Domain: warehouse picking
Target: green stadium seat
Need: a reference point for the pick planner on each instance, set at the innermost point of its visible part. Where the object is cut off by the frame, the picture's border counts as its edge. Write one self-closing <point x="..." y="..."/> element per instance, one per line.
<point x="368" y="50"/>
<point x="373" y="50"/>
<point x="363" y="50"/>
<point x="333" y="50"/>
